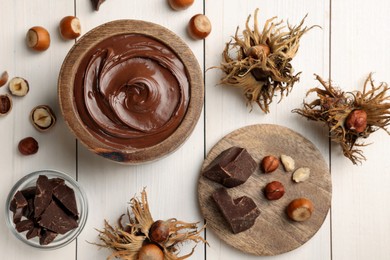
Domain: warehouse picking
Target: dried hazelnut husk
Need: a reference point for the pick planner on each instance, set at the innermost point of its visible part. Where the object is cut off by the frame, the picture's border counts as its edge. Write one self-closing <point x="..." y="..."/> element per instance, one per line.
<point x="42" y="118"/>
<point x="18" y="86"/>
<point x="5" y="104"/>
<point x="259" y="61"/>
<point x="350" y="116"/>
<point x="28" y="146"/>
<point x="3" y="78"/>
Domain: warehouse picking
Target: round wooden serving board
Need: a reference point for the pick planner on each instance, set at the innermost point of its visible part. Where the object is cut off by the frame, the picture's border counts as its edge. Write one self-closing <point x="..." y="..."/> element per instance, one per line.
<point x="273" y="232"/>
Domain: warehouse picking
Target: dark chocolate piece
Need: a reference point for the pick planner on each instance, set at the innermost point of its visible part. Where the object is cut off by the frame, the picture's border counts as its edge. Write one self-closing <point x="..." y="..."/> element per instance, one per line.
<point x="46" y="237"/>
<point x="67" y="198"/>
<point x="18" y="206"/>
<point x="43" y="195"/>
<point x="55" y="219"/>
<point x="24" y="225"/>
<point x="96" y="4"/>
<point x="20" y="200"/>
<point x="29" y="192"/>
<point x="29" y="211"/>
<point x="240" y="213"/>
<point x="12" y="205"/>
<point x="18" y="214"/>
<point x="56" y="181"/>
<point x="33" y="232"/>
<point x="231" y="168"/>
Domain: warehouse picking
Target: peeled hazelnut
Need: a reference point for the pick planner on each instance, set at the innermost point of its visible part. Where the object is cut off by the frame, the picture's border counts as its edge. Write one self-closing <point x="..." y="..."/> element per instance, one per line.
<point x="357" y="120"/>
<point x="180" y="4"/>
<point x="70" y="27"/>
<point x="38" y="38"/>
<point x="3" y="78"/>
<point x="269" y="164"/>
<point x="288" y="163"/>
<point x="159" y="231"/>
<point x="42" y="118"/>
<point x="150" y="252"/>
<point x="258" y="51"/>
<point x="300" y="209"/>
<point x="18" y="86"/>
<point x="301" y="174"/>
<point x="274" y="190"/>
<point x="28" y="146"/>
<point x="199" y="27"/>
<point x="5" y="104"/>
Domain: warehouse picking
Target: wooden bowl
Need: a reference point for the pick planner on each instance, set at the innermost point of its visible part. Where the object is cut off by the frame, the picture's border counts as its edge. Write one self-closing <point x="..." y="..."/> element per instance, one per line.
<point x="130" y="154"/>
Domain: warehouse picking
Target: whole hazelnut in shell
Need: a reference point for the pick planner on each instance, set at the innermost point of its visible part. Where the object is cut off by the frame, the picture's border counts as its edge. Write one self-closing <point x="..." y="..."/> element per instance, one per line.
<point x="150" y="252"/>
<point x="357" y="120"/>
<point x="274" y="190"/>
<point x="159" y="231"/>
<point x="28" y="146"/>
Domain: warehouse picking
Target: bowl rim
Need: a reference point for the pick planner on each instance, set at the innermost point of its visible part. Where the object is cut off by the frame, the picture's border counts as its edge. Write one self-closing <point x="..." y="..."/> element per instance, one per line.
<point x="73" y="234"/>
<point x="154" y="31"/>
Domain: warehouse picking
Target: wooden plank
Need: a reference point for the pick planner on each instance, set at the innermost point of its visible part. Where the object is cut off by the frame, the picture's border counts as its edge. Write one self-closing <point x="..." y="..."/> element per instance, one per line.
<point x="170" y="182"/>
<point x="360" y="219"/>
<point x="226" y="109"/>
<point x="57" y="146"/>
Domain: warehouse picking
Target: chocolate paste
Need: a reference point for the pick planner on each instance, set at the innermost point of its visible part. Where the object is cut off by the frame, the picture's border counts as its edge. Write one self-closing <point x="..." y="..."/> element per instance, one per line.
<point x="131" y="91"/>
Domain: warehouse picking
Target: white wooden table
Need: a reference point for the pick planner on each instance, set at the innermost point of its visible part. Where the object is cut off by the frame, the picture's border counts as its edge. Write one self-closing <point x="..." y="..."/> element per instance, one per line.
<point x="354" y="40"/>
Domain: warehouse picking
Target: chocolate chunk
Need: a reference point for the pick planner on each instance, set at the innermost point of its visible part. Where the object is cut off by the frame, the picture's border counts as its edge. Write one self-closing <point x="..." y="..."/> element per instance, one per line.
<point x="43" y="195"/>
<point x="56" y="181"/>
<point x="55" y="219"/>
<point x="18" y="206"/>
<point x="20" y="200"/>
<point x="96" y="4"/>
<point x="29" y="192"/>
<point x="18" y="214"/>
<point x="12" y="205"/>
<point x="231" y="168"/>
<point x="33" y="232"/>
<point x="24" y="225"/>
<point x="67" y="198"/>
<point x="46" y="237"/>
<point x="29" y="211"/>
<point x="240" y="213"/>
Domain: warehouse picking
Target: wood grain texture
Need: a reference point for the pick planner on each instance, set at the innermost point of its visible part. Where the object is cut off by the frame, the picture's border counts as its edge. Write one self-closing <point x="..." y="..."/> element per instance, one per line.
<point x="66" y="95"/>
<point x="273" y="233"/>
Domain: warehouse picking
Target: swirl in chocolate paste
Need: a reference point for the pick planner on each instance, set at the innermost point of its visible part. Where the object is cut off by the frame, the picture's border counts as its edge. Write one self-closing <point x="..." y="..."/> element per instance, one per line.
<point x="131" y="91"/>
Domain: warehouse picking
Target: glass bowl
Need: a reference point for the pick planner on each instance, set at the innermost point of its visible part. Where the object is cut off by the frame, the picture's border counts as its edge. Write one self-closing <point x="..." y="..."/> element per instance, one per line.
<point x="82" y="206"/>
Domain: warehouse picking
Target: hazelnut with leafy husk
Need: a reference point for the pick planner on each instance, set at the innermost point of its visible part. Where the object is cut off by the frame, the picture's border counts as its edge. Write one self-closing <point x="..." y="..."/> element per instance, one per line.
<point x="350" y="116"/>
<point x="262" y="66"/>
<point x="141" y="237"/>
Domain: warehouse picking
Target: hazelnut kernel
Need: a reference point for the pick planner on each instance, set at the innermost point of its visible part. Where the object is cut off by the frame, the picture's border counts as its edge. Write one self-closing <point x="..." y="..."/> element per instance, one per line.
<point x="274" y="190"/>
<point x="5" y="104"/>
<point x="269" y="163"/>
<point x="28" y="146"/>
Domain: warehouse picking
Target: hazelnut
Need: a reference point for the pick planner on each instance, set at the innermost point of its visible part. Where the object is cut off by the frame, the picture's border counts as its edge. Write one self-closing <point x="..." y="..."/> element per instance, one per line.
<point x="258" y="51"/>
<point x="38" y="38"/>
<point x="96" y="4"/>
<point x="5" y="104"/>
<point x="70" y="27"/>
<point x="159" y="231"/>
<point x="180" y="4"/>
<point x="274" y="190"/>
<point x="269" y="164"/>
<point x="199" y="27"/>
<point x="28" y="146"/>
<point x="300" y="209"/>
<point x="18" y="86"/>
<point x="42" y="118"/>
<point x="357" y="121"/>
<point x="3" y="78"/>
<point x="150" y="252"/>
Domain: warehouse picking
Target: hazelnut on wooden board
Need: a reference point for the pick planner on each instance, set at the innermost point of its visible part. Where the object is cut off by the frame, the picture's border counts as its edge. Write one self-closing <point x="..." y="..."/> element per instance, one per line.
<point x="70" y="27"/>
<point x="199" y="27"/>
<point x="288" y="163"/>
<point x="38" y="38"/>
<point x="150" y="252"/>
<point x="5" y="104"/>
<point x="274" y="190"/>
<point x="28" y="146"/>
<point x="357" y="121"/>
<point x="269" y="163"/>
<point x="42" y="117"/>
<point x="3" y="78"/>
<point x="300" y="209"/>
<point x="180" y="4"/>
<point x="18" y="86"/>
